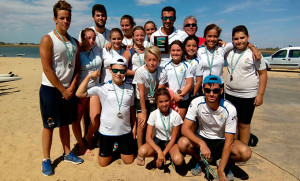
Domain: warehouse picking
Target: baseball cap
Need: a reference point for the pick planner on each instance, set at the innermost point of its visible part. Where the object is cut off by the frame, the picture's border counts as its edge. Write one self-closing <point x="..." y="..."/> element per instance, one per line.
<point x="120" y="60"/>
<point x="212" y="79"/>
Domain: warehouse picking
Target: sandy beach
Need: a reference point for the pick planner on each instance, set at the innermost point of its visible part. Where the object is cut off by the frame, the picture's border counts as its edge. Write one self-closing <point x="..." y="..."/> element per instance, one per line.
<point x="275" y="124"/>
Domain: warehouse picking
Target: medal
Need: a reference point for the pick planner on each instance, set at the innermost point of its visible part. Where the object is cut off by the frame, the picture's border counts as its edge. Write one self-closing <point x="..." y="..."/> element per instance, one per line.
<point x="179" y="83"/>
<point x="69" y="53"/>
<point x="70" y="65"/>
<point x="120" y="115"/>
<point x="232" y="67"/>
<point x="151" y="100"/>
<point x="152" y="89"/>
<point x="231" y="77"/>
<point x="179" y="91"/>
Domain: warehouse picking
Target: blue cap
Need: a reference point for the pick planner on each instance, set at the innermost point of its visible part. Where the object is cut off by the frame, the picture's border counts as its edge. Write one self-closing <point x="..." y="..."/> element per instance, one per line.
<point x="212" y="79"/>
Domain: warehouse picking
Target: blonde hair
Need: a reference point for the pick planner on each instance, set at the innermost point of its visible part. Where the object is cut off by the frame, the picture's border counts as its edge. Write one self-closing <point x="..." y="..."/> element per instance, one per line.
<point x="153" y="50"/>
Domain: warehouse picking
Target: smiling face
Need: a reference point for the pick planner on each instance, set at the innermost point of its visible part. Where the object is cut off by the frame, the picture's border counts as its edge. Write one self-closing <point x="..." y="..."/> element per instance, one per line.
<point x="89" y="40"/>
<point x="63" y="20"/>
<point x="126" y="27"/>
<point x="138" y="37"/>
<point x="163" y="103"/>
<point x="168" y="24"/>
<point x="191" y="48"/>
<point x="176" y="53"/>
<point x="210" y="96"/>
<point x="240" y="40"/>
<point x="116" y="40"/>
<point x="149" y="28"/>
<point x="192" y="28"/>
<point x="211" y="37"/>
<point x="100" y="19"/>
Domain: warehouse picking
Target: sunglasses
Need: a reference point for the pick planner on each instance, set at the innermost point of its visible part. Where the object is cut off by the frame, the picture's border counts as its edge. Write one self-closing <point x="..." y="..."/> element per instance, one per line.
<point x="193" y="25"/>
<point x="215" y="91"/>
<point x="172" y="18"/>
<point x="122" y="71"/>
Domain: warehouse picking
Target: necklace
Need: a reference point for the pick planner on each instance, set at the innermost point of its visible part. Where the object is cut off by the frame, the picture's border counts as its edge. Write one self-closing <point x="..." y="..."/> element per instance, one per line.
<point x="233" y="67"/>
<point x="152" y="89"/>
<point x="179" y="83"/>
<point x="141" y="63"/>
<point x="210" y="63"/>
<point x="119" y="103"/>
<point x="93" y="60"/>
<point x="163" y="123"/>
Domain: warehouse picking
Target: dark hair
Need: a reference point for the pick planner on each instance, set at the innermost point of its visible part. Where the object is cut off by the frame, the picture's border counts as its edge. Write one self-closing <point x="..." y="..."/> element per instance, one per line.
<point x="61" y="5"/>
<point x="83" y="32"/>
<point x="177" y="42"/>
<point x="100" y="8"/>
<point x="210" y="27"/>
<point x="188" y="39"/>
<point x="240" y="28"/>
<point x="148" y="22"/>
<point x="116" y="30"/>
<point x="162" y="91"/>
<point x="130" y="18"/>
<point x="168" y="8"/>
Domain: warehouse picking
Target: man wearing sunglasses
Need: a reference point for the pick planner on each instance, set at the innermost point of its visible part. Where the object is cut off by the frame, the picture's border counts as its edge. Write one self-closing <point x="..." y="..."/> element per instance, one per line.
<point x="217" y="126"/>
<point x="190" y="27"/>
<point x="168" y="18"/>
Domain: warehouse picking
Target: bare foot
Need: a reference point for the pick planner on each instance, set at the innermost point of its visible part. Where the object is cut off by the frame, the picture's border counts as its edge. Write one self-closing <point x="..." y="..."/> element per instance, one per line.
<point x="140" y="161"/>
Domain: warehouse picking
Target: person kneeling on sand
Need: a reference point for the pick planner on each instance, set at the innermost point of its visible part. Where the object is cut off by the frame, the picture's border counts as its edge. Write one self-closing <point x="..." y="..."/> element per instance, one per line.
<point x="165" y="122"/>
<point x="117" y="121"/>
<point x="217" y="127"/>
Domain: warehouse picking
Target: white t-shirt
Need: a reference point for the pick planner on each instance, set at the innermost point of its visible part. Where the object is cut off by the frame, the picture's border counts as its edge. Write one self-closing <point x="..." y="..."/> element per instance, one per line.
<point x="245" y="80"/>
<point x="110" y="123"/>
<point x="137" y="59"/>
<point x="60" y="61"/>
<point x="141" y="77"/>
<point x="175" y="35"/>
<point x="90" y="62"/>
<point x="213" y="124"/>
<point x="202" y="68"/>
<point x="192" y="64"/>
<point x="127" y="41"/>
<point x="101" y="39"/>
<point x="107" y="57"/>
<point x="183" y="71"/>
<point x="159" y="131"/>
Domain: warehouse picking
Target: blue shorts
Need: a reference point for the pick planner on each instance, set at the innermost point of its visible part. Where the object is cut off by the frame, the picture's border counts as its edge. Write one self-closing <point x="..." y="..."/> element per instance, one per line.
<point x="56" y="111"/>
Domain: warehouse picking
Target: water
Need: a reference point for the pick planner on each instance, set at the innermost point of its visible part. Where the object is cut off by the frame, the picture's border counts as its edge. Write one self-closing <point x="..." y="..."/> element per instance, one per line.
<point x="32" y="52"/>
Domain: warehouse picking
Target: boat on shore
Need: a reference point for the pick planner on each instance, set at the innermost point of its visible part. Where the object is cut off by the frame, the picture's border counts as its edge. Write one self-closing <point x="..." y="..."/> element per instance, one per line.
<point x="9" y="77"/>
<point x="21" y="54"/>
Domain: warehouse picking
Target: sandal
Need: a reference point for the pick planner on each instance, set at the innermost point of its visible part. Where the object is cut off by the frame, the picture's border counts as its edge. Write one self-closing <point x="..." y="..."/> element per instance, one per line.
<point x="140" y="161"/>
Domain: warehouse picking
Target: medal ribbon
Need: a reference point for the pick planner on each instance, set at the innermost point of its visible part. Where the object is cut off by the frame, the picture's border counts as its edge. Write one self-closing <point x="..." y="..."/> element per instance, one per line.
<point x="179" y="84"/>
<point x="162" y="120"/>
<point x="210" y="63"/>
<point x="233" y="67"/>
<point x="119" y="103"/>
<point x="69" y="54"/>
<point x="93" y="61"/>
<point x="152" y="89"/>
<point x="141" y="63"/>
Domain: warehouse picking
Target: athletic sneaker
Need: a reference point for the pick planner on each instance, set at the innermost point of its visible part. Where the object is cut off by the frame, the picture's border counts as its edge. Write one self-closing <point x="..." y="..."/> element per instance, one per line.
<point x="197" y="170"/>
<point x="47" y="168"/>
<point x="71" y="157"/>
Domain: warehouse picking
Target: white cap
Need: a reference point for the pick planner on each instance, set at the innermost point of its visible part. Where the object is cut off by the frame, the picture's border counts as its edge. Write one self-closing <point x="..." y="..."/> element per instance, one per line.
<point x="120" y="60"/>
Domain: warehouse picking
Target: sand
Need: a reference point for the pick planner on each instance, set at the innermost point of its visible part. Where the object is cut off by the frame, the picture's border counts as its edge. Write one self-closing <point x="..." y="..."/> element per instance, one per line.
<point x="21" y="128"/>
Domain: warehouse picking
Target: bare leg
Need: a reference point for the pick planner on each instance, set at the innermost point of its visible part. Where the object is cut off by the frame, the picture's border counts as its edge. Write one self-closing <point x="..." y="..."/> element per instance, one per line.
<point x="244" y="130"/>
<point x="76" y="125"/>
<point x="240" y="152"/>
<point x="95" y="110"/>
<point x="185" y="146"/>
<point x="176" y="156"/>
<point x="144" y="151"/>
<point x="127" y="159"/>
<point x="182" y="112"/>
<point x="47" y="141"/>
<point x="104" y="161"/>
<point x="64" y="133"/>
<point x="140" y="135"/>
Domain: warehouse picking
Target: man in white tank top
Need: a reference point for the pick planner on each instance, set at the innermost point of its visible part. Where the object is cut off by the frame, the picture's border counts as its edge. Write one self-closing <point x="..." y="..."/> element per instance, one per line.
<point x="60" y="62"/>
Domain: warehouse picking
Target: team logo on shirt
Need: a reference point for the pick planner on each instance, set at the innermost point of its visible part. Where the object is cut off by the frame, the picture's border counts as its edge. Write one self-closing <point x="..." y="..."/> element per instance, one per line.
<point x="182" y="70"/>
<point x="248" y="61"/>
<point x="222" y="119"/>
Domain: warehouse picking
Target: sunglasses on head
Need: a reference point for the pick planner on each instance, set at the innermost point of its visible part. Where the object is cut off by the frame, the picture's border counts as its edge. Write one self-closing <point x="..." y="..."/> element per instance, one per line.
<point x="172" y="18"/>
<point x="122" y="71"/>
<point x="193" y="25"/>
<point x="215" y="91"/>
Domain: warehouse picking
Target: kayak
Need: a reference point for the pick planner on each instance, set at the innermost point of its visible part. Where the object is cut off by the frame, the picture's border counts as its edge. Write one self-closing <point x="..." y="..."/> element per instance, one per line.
<point x="7" y="79"/>
<point x="8" y="75"/>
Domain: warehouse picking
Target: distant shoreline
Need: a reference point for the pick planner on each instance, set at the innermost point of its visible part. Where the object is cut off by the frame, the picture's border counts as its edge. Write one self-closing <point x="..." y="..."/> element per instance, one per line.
<point x="20" y="45"/>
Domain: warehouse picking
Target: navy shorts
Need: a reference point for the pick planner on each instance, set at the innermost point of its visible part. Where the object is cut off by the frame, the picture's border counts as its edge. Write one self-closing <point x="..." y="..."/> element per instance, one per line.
<point x="56" y="111"/>
<point x="162" y="145"/>
<point x="215" y="146"/>
<point x="149" y="107"/>
<point x="184" y="104"/>
<point x="244" y="107"/>
<point x="125" y="142"/>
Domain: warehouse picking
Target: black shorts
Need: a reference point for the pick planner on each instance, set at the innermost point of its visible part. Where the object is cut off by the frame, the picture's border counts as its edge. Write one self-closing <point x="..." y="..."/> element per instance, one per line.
<point x="184" y="104"/>
<point x="244" y="107"/>
<point x="125" y="144"/>
<point x="55" y="109"/>
<point x="149" y="107"/>
<point x="162" y="145"/>
<point x="215" y="146"/>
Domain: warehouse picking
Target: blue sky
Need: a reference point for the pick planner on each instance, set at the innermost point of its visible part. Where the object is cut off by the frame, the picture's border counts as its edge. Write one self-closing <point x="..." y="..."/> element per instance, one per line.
<point x="271" y="23"/>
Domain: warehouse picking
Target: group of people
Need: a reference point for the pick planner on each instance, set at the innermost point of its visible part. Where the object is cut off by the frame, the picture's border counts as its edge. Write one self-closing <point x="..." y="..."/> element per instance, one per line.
<point x="169" y="101"/>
